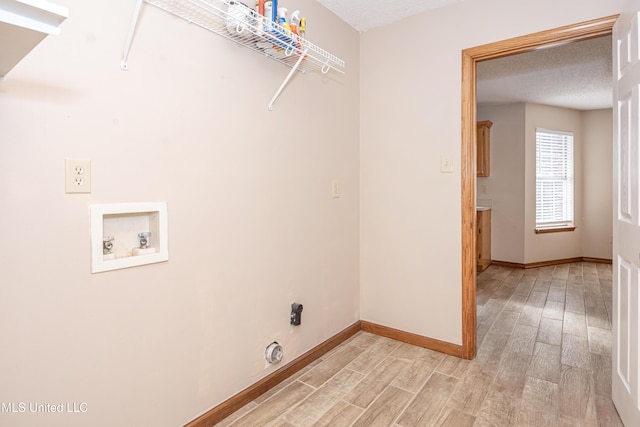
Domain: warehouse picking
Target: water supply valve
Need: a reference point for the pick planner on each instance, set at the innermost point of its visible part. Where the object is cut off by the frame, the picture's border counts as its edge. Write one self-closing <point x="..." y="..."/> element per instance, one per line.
<point x="107" y="245"/>
<point x="296" y="314"/>
<point x="144" y="239"/>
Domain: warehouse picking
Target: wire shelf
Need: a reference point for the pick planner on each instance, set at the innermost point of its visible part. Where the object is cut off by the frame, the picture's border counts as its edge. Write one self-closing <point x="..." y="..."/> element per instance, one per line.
<point x="243" y="25"/>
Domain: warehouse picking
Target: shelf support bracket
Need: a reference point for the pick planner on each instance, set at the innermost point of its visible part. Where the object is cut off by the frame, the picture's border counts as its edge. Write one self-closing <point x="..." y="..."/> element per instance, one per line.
<point x="286" y="80"/>
<point x="132" y="29"/>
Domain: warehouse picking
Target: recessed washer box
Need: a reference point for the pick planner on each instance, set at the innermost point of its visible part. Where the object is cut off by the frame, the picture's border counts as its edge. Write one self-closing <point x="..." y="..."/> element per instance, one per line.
<point x="123" y="222"/>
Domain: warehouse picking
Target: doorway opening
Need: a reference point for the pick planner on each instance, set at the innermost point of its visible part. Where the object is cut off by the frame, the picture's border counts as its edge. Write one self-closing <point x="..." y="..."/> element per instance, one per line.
<point x="576" y="32"/>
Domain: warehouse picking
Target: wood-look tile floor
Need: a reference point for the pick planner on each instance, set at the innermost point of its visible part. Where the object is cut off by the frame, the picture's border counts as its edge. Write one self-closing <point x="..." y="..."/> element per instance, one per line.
<point x="544" y="359"/>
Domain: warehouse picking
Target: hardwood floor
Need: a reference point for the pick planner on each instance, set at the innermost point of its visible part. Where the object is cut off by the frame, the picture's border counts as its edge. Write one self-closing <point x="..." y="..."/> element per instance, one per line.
<point x="544" y="359"/>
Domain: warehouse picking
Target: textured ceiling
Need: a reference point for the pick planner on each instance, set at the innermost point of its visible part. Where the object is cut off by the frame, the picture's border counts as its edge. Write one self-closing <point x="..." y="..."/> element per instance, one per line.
<point x="364" y="15"/>
<point x="574" y="75"/>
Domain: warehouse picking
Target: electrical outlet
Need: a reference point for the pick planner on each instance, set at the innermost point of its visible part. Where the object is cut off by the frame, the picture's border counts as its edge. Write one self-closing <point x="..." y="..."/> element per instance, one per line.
<point x="77" y="176"/>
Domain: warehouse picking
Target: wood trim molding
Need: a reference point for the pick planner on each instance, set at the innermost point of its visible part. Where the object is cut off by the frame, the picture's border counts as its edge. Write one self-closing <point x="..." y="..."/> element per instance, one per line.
<point x="537" y="264"/>
<point x="237" y="401"/>
<point x="569" y="33"/>
<point x="550" y="262"/>
<point x="554" y="230"/>
<point x="597" y="260"/>
<point x="231" y="405"/>
<point x="508" y="264"/>
<point x="469" y="176"/>
<point x="414" y="339"/>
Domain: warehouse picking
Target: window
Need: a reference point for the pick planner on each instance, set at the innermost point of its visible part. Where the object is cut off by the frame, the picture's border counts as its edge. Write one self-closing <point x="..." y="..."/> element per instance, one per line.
<point x="554" y="180"/>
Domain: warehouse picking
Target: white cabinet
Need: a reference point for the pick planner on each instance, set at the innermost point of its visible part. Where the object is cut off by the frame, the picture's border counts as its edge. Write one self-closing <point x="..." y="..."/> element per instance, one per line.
<point x="24" y="24"/>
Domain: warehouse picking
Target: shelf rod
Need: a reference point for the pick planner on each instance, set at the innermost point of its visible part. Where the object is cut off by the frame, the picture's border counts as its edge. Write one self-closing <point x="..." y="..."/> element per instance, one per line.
<point x="134" y="22"/>
<point x="286" y="80"/>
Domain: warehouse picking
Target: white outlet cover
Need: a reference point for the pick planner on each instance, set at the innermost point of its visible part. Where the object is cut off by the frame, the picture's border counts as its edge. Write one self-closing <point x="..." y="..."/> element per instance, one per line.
<point x="77" y="176"/>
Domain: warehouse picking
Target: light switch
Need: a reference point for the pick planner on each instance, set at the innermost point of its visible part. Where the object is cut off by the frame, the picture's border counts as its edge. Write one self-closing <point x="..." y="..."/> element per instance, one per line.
<point x="446" y="165"/>
<point x="335" y="189"/>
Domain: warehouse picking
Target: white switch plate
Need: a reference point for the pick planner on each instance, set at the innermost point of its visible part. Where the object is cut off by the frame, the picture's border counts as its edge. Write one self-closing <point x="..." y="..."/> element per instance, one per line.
<point x="77" y="176"/>
<point x="445" y="163"/>
<point x="335" y="189"/>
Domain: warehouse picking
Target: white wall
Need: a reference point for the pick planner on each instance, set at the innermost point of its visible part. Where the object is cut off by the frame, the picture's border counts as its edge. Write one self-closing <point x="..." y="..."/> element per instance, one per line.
<point x="410" y="115"/>
<point x="597" y="163"/>
<point x="504" y="188"/>
<point x="160" y="344"/>
<point x="551" y="246"/>
<point x="507" y="188"/>
<point x="252" y="224"/>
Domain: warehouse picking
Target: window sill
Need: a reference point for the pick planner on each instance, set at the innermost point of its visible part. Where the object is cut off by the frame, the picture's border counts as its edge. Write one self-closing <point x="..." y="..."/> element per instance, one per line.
<point x="554" y="230"/>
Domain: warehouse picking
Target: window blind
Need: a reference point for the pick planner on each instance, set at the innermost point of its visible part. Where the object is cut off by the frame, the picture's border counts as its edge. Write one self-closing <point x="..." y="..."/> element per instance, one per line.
<point x="554" y="178"/>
